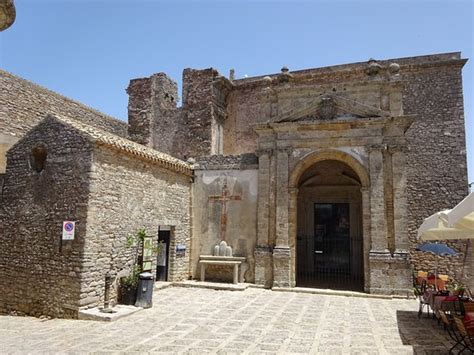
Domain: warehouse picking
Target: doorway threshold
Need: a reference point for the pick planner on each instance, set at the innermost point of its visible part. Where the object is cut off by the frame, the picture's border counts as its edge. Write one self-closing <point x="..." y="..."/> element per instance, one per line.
<point x="329" y="292"/>
<point x="204" y="284"/>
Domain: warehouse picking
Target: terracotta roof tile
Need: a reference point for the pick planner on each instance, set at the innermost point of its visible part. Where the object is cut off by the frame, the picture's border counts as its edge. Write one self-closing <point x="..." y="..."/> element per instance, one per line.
<point x="101" y="137"/>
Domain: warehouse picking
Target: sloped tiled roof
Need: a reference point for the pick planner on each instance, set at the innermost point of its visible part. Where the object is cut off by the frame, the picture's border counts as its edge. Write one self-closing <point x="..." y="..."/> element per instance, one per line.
<point x="101" y="137"/>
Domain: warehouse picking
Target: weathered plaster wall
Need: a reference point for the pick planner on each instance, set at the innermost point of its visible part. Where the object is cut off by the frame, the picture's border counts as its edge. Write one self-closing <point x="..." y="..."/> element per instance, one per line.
<point x="6" y="141"/>
<point x="241" y="180"/>
<point x="125" y="195"/>
<point x="39" y="273"/>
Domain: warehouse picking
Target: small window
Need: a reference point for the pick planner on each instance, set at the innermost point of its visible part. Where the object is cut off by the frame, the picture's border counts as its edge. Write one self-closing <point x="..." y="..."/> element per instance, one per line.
<point x="38" y="158"/>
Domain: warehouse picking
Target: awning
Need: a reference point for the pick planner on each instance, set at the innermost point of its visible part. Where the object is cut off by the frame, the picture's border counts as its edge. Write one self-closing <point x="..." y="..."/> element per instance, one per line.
<point x="457" y="223"/>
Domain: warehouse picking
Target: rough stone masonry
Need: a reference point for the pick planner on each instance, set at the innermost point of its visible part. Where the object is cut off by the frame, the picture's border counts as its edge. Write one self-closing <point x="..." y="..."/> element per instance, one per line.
<point x="378" y="145"/>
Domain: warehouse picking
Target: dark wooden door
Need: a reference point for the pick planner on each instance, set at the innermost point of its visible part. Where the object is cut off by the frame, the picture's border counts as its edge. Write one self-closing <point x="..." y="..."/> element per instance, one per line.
<point x="162" y="260"/>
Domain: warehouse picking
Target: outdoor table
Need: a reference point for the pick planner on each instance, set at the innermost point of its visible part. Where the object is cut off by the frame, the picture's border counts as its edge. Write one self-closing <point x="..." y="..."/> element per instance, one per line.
<point x="446" y="303"/>
<point x="469" y="317"/>
<point x="468" y="321"/>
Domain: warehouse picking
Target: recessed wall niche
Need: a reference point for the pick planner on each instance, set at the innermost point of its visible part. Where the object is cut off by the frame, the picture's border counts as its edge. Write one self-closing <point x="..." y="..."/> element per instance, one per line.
<point x="38" y="158"/>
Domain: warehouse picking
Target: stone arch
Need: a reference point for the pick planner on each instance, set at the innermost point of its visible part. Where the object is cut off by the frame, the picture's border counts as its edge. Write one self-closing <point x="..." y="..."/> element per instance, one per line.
<point x="328" y="154"/>
<point x="299" y="169"/>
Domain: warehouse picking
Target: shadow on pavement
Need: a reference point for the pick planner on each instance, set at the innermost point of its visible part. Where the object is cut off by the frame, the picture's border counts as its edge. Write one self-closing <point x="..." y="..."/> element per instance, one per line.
<point x="424" y="334"/>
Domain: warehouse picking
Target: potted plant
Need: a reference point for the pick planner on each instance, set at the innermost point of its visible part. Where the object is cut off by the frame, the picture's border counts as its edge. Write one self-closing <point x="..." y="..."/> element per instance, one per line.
<point x="140" y="244"/>
<point x="456" y="288"/>
<point x="129" y="286"/>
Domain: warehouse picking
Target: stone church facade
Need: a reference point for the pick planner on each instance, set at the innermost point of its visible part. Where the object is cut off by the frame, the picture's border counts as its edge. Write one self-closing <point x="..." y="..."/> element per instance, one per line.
<point x="326" y="175"/>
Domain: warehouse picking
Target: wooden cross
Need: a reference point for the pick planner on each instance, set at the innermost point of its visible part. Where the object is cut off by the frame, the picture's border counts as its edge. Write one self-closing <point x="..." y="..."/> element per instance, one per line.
<point x="223" y="198"/>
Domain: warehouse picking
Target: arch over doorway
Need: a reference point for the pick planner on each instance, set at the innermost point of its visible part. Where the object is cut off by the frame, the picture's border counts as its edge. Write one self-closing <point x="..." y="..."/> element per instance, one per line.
<point x="328" y="154"/>
<point x="329" y="180"/>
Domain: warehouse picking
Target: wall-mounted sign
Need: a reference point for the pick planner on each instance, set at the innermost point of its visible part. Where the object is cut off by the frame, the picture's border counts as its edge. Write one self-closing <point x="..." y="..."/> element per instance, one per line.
<point x="147" y="253"/>
<point x="69" y="228"/>
<point x="180" y="249"/>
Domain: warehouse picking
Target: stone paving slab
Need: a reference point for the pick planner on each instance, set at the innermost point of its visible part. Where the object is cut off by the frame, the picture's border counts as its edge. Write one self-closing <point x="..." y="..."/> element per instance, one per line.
<point x="119" y="311"/>
<point x="254" y="321"/>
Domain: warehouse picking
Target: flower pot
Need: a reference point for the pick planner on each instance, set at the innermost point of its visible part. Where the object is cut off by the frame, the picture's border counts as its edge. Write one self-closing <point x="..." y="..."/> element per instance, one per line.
<point x="128" y="295"/>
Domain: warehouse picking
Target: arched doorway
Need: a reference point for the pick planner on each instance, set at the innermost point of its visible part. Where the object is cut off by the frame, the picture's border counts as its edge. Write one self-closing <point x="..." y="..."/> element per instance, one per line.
<point x="329" y="230"/>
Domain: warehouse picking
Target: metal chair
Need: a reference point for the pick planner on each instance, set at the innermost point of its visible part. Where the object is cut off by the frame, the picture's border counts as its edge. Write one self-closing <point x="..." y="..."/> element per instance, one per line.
<point x="448" y="324"/>
<point x="467" y="335"/>
<point x="420" y="290"/>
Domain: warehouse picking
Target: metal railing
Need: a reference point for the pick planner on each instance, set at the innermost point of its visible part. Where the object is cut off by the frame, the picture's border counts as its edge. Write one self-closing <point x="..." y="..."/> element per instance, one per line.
<point x="335" y="262"/>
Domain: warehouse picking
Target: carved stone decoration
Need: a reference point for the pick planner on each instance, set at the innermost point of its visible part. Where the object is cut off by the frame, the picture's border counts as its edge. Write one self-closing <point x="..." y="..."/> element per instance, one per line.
<point x="394" y="68"/>
<point x="373" y="67"/>
<point x="285" y="76"/>
<point x="327" y="108"/>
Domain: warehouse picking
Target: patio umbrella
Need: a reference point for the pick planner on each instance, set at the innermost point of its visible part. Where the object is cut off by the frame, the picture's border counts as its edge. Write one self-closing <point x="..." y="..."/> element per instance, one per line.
<point x="437" y="249"/>
<point x="456" y="223"/>
<point x="462" y="216"/>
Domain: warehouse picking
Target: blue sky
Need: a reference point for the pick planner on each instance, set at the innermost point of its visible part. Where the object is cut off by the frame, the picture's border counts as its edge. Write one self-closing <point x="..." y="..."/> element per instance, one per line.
<point x="89" y="49"/>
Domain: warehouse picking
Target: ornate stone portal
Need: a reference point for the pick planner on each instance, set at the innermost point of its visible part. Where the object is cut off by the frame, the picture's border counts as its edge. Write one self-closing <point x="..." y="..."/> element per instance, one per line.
<point x="371" y="143"/>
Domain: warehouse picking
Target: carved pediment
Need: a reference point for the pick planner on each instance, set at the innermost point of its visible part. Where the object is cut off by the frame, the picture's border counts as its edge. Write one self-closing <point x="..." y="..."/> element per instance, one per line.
<point x="328" y="107"/>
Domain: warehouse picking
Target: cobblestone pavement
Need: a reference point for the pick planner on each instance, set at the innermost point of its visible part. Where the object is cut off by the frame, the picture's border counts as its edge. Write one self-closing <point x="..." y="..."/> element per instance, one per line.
<point x="190" y="320"/>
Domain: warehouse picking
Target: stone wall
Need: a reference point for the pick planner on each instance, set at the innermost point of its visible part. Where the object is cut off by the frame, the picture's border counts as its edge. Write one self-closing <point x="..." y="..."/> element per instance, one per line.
<point x="63" y="170"/>
<point x="24" y="104"/>
<point x="193" y="130"/>
<point x="126" y="195"/>
<point x="152" y="113"/>
<point x="437" y="174"/>
<point x="437" y="171"/>
<point x="40" y="273"/>
<point x="239" y="174"/>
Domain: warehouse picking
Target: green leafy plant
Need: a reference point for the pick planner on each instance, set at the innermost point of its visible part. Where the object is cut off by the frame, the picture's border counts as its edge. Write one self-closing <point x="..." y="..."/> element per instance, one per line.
<point x="131" y="281"/>
<point x="136" y="241"/>
<point x="455" y="287"/>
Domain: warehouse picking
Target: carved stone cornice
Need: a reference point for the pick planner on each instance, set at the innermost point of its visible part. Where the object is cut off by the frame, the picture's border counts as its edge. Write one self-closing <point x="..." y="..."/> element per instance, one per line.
<point x="287" y="150"/>
<point x="397" y="148"/>
<point x="264" y="151"/>
<point x="376" y="148"/>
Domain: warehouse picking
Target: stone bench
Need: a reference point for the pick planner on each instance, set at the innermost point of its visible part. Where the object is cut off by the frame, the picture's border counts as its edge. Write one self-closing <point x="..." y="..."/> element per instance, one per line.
<point x="234" y="261"/>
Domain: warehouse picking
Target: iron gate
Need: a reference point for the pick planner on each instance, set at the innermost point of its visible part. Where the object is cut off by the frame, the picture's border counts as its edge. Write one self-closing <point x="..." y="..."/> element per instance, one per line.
<point x="330" y="257"/>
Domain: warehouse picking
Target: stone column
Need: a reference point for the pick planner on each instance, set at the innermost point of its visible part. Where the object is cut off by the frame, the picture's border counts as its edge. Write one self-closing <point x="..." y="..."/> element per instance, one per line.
<point x="282" y="198"/>
<point x="378" y="225"/>
<point x="263" y="260"/>
<point x="281" y="252"/>
<point x="365" y="192"/>
<point x="379" y="255"/>
<point x="292" y="231"/>
<point x="399" y="198"/>
<point x="401" y="273"/>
